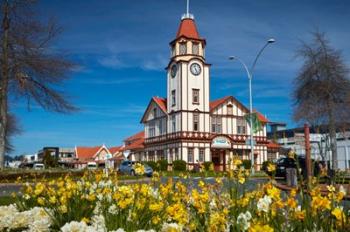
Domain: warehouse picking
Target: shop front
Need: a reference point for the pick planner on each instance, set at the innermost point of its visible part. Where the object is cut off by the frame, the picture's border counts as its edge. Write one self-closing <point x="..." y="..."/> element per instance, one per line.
<point x="221" y="147"/>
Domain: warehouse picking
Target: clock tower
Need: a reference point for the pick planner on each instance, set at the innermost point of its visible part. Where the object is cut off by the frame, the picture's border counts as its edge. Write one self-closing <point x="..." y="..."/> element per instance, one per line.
<point x="188" y="80"/>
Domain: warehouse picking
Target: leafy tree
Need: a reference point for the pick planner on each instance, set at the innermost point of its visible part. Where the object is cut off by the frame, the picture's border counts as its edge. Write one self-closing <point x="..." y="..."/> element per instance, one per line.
<point x="49" y="160"/>
<point x="31" y="69"/>
<point x="322" y="88"/>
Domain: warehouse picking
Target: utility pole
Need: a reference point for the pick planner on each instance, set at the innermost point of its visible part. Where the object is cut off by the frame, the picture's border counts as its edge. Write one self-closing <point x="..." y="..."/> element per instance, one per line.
<point x="307" y="152"/>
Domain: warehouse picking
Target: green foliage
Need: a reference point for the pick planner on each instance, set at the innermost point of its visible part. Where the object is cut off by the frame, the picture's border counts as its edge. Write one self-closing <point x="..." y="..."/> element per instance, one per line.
<point x="152" y="164"/>
<point x="35" y="175"/>
<point x="6" y="200"/>
<point x="179" y="165"/>
<point x="207" y="165"/>
<point x="49" y="160"/>
<point x="247" y="164"/>
<point x="162" y="165"/>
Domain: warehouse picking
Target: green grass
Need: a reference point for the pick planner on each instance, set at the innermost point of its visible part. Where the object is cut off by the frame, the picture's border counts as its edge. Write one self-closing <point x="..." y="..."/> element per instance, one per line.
<point x="6" y="200"/>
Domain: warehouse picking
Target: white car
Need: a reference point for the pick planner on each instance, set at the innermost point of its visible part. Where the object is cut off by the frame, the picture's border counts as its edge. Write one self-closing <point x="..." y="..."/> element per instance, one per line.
<point x="38" y="166"/>
<point x="91" y="165"/>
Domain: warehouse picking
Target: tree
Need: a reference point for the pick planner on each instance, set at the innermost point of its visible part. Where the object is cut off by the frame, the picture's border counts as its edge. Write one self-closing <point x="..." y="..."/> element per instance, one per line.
<point x="12" y="129"/>
<point x="322" y="88"/>
<point x="49" y="160"/>
<point x="31" y="69"/>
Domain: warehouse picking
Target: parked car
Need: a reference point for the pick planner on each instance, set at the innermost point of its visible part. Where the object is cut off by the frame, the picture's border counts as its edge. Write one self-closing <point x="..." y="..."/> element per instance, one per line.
<point x="92" y="165"/>
<point x="127" y="167"/>
<point x="38" y="166"/>
<point x="283" y="163"/>
<point x="26" y="165"/>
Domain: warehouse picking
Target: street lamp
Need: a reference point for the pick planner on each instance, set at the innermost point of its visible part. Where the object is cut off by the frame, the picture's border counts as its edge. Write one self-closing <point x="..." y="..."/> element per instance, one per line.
<point x="250" y="77"/>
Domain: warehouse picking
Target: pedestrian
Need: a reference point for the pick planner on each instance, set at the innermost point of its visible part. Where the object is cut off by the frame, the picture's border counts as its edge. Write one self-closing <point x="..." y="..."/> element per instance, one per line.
<point x="291" y="169"/>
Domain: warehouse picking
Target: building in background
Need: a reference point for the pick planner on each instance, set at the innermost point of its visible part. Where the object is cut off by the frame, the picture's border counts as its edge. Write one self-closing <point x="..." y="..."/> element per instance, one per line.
<point x="134" y="147"/>
<point x="294" y="139"/>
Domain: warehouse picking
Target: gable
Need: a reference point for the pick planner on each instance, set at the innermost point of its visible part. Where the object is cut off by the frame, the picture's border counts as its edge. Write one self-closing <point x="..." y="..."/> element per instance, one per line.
<point x="101" y="154"/>
<point x="156" y="105"/>
<point x="219" y="106"/>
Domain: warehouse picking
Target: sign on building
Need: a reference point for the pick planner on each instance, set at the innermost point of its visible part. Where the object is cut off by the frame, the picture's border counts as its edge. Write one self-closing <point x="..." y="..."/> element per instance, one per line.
<point x="221" y="142"/>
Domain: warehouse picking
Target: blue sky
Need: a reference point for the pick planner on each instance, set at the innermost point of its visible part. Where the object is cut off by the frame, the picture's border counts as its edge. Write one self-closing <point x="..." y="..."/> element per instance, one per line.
<point x="121" y="47"/>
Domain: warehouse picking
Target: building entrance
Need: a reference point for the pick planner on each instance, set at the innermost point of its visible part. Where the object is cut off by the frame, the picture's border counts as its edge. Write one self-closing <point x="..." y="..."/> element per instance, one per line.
<point x="218" y="158"/>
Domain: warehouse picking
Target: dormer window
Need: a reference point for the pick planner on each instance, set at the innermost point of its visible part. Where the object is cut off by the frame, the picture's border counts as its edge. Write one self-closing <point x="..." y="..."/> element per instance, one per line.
<point x="195" y="49"/>
<point x="183" y="48"/>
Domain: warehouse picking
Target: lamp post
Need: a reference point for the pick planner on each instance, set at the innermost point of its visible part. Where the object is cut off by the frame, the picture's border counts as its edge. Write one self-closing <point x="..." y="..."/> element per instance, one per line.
<point x="250" y="77"/>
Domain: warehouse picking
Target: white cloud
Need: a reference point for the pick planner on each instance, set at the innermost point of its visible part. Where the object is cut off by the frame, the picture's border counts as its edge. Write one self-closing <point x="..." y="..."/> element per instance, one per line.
<point x="112" y="62"/>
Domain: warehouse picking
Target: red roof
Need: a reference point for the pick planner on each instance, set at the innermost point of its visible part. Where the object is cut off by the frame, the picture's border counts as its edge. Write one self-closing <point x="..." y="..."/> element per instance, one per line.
<point x="273" y="145"/>
<point x="217" y="102"/>
<point x="114" y="150"/>
<point x="161" y="102"/>
<point x="136" y="136"/>
<point x="135" y="145"/>
<point x="261" y="117"/>
<point x="135" y="142"/>
<point x="188" y="29"/>
<point x="86" y="152"/>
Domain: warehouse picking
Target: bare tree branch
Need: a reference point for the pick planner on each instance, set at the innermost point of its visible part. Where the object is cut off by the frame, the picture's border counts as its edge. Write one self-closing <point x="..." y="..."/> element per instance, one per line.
<point x="322" y="88"/>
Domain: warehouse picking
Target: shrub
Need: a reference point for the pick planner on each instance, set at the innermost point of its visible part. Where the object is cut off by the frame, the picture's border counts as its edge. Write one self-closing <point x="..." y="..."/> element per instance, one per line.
<point x="179" y="165"/>
<point x="247" y="164"/>
<point x="207" y="165"/>
<point x="152" y="164"/>
<point x="162" y="165"/>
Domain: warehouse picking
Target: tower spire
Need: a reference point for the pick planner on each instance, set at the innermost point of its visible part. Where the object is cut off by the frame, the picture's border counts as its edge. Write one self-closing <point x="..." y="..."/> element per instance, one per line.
<point x="188" y="7"/>
<point x="187" y="15"/>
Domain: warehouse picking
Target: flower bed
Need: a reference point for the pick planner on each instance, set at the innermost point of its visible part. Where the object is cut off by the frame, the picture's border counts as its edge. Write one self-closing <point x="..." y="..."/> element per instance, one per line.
<point x="99" y="203"/>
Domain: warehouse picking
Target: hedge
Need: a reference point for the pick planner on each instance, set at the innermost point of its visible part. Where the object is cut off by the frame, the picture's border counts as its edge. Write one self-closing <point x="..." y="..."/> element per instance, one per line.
<point x="179" y="165"/>
<point x="162" y="165"/>
<point x="24" y="175"/>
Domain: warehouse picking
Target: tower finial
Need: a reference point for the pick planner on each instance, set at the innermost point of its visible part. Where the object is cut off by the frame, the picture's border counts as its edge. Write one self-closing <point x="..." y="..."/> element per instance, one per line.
<point x="187" y="15"/>
<point x="188" y="7"/>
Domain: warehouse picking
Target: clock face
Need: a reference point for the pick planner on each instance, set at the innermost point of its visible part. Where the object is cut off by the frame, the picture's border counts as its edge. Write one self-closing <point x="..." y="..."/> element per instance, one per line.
<point x="173" y="70"/>
<point x="196" y="69"/>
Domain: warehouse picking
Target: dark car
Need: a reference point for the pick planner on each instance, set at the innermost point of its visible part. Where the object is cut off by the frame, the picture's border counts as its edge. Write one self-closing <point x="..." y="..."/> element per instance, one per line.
<point x="283" y="163"/>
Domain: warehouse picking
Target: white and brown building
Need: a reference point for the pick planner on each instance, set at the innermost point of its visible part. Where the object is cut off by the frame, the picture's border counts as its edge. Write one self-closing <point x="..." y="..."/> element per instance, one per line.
<point x="186" y="124"/>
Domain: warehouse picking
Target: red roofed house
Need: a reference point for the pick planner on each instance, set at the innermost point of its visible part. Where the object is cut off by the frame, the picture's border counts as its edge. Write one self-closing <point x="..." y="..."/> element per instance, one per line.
<point x="90" y="154"/>
<point x="187" y="125"/>
<point x="134" y="146"/>
<point x="116" y="151"/>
